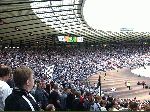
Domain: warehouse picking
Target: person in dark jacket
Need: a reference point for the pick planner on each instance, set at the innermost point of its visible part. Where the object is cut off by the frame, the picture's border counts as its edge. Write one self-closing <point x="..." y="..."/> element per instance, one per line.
<point x="54" y="98"/>
<point x="21" y="99"/>
<point x="77" y="105"/>
<point x="41" y="96"/>
<point x="70" y="98"/>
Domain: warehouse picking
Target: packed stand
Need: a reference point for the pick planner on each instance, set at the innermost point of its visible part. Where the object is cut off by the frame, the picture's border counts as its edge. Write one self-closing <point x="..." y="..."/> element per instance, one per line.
<point x="68" y="88"/>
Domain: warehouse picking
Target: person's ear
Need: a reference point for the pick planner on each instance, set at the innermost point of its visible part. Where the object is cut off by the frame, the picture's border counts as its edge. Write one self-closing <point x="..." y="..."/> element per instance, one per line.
<point x="28" y="82"/>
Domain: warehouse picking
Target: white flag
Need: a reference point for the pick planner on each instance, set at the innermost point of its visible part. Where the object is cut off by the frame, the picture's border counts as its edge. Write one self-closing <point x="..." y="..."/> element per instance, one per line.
<point x="49" y="71"/>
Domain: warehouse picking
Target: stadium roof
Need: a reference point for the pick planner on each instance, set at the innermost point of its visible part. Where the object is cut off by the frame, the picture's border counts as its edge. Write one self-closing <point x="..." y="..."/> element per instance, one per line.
<point x="40" y="21"/>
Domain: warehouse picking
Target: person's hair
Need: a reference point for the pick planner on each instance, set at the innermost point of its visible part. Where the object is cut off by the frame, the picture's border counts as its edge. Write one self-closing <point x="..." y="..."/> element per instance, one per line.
<point x="50" y="107"/>
<point x="133" y="105"/>
<point x="38" y="83"/>
<point x="147" y="107"/>
<point x="21" y="75"/>
<point x="55" y="86"/>
<point x="97" y="98"/>
<point x="125" y="105"/>
<point x="78" y="94"/>
<point x="103" y="103"/>
<point x="4" y="70"/>
<point x="48" y="88"/>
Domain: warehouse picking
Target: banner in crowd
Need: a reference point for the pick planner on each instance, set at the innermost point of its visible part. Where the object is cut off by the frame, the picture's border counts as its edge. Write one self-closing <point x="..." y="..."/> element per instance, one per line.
<point x="49" y="71"/>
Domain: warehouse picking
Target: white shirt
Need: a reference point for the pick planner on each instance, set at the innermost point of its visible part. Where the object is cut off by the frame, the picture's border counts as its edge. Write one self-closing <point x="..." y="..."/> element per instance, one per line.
<point x="128" y="84"/>
<point x="5" y="91"/>
<point x="103" y="109"/>
<point x="97" y="107"/>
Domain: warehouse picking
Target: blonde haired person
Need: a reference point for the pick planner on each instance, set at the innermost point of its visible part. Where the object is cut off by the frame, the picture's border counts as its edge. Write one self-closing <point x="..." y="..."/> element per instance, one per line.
<point x="21" y="99"/>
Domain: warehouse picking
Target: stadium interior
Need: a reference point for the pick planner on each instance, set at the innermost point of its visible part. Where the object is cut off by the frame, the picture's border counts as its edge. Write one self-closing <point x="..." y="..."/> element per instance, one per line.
<point x="91" y="68"/>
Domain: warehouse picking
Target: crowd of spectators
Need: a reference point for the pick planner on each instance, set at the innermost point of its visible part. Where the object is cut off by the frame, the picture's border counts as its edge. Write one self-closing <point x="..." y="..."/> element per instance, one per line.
<point x="77" y="63"/>
<point x="66" y="89"/>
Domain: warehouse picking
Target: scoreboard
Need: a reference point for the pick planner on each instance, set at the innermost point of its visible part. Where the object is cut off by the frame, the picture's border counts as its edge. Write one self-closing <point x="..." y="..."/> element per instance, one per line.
<point x="72" y="39"/>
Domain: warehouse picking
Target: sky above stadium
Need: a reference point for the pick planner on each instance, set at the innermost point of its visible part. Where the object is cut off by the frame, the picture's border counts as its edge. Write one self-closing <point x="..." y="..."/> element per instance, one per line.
<point x="112" y="15"/>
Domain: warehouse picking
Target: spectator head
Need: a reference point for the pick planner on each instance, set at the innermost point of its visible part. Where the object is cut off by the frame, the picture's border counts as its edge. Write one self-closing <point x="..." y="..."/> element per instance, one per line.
<point x="56" y="87"/>
<point x="103" y="98"/>
<point x="90" y="97"/>
<point x="78" y="94"/>
<point x="48" y="87"/>
<point x="110" y="99"/>
<point x="114" y="103"/>
<point x="125" y="105"/>
<point x="97" y="98"/>
<point x="23" y="78"/>
<point x="103" y="103"/>
<point x="133" y="106"/>
<point x="50" y="107"/>
<point x="147" y="107"/>
<point x="43" y="84"/>
<point x="38" y="82"/>
<point x="5" y="72"/>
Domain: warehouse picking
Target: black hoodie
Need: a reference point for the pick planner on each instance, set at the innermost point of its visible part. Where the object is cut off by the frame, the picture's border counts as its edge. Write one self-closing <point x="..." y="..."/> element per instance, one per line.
<point x="20" y="100"/>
